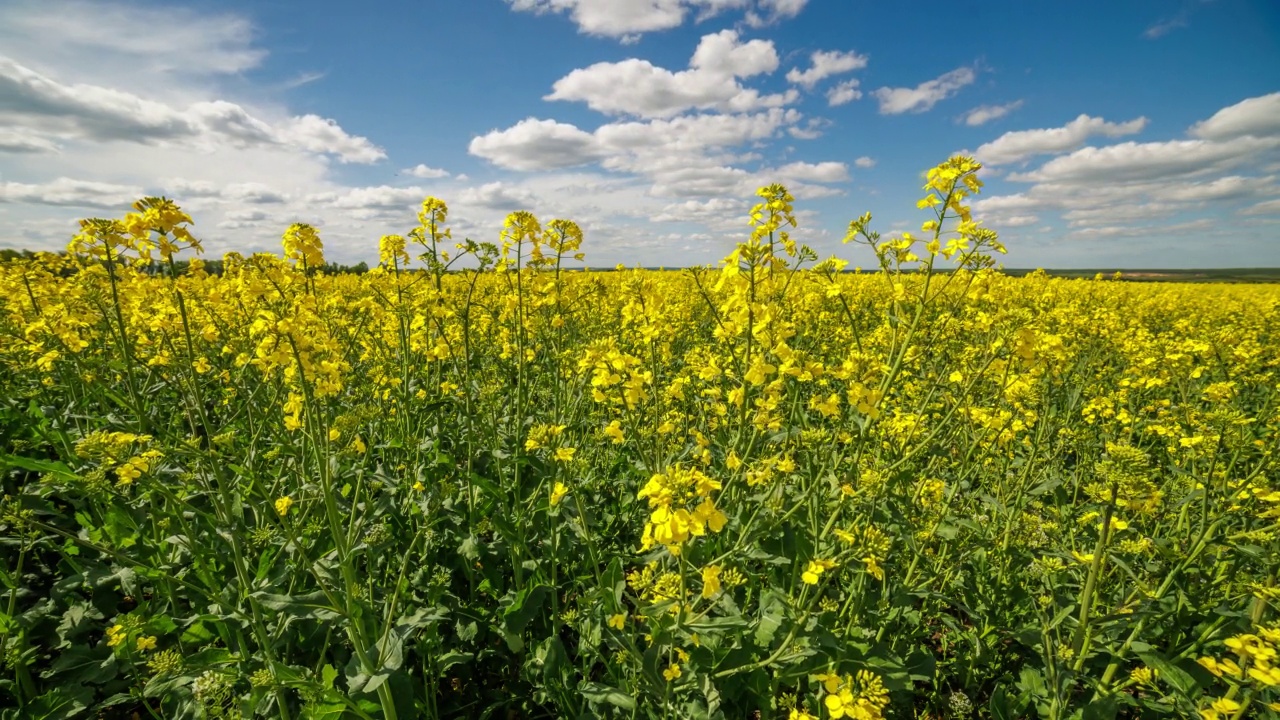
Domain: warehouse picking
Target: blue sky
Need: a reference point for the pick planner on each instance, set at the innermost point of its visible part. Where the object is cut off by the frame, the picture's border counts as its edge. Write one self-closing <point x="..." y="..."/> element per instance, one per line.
<point x="1136" y="134"/>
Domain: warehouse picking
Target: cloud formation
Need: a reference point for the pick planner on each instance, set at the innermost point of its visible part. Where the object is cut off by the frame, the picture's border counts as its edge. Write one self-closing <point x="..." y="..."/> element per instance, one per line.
<point x="895" y="101"/>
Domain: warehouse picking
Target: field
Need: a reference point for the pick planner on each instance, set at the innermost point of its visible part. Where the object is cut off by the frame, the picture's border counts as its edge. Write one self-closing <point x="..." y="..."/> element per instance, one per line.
<point x="475" y="485"/>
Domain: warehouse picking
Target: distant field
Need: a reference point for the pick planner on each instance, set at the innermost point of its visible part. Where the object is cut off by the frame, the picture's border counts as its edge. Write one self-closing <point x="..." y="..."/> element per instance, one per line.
<point x="1227" y="275"/>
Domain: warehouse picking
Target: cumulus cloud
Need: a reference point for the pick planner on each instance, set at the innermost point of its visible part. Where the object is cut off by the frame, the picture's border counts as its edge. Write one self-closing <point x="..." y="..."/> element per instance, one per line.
<point x="1134" y="189"/>
<point x="895" y="101"/>
<point x="692" y="156"/>
<point x="1131" y="161"/>
<point x="865" y="162"/>
<point x="844" y="93"/>
<point x="638" y="87"/>
<point x="425" y="172"/>
<point x="986" y="113"/>
<point x="47" y="108"/>
<point x="628" y="19"/>
<point x="811" y="130"/>
<point x="1022" y="144"/>
<point x="533" y="144"/>
<point x="498" y="196"/>
<point x="1256" y="117"/>
<point x="822" y="172"/>
<point x="68" y="192"/>
<point x="771" y="11"/>
<point x="824" y="64"/>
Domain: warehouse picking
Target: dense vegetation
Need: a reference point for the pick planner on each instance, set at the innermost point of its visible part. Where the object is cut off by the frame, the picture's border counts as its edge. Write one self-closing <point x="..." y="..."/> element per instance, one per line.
<point x="478" y="486"/>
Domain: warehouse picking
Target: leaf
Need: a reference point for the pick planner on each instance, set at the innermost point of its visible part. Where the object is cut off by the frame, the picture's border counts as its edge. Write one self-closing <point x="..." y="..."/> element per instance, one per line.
<point x="1100" y="709"/>
<point x="1001" y="706"/>
<point x="81" y="664"/>
<point x="55" y="467"/>
<point x="605" y="695"/>
<point x="523" y="607"/>
<point x="449" y="659"/>
<point x="771" y="615"/>
<point x="327" y="675"/>
<point x="921" y="666"/>
<point x="60" y="703"/>
<point x="311" y="605"/>
<point x="1170" y="673"/>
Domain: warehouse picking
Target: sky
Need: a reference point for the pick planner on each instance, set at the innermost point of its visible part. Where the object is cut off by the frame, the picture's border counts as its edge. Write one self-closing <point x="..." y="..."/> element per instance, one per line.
<point x="1137" y="134"/>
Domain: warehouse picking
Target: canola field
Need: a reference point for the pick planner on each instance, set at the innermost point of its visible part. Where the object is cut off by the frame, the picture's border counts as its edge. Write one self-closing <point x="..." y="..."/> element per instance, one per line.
<point x="472" y="483"/>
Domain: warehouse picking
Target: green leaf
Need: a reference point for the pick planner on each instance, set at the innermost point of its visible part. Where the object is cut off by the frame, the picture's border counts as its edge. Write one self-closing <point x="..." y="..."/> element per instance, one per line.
<point x="449" y="659"/>
<point x="311" y="605"/>
<point x="327" y="675"/>
<point x="605" y="695"/>
<point x="55" y="467"/>
<point x="81" y="664"/>
<point x="772" y="608"/>
<point x="61" y="703"/>
<point x="1170" y="673"/>
<point x="523" y="607"/>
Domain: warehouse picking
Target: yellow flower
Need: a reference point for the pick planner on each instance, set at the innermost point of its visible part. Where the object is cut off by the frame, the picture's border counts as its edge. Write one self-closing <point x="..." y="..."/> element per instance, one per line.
<point x="418" y="486"/>
<point x="334" y="434"/>
<point x="558" y="492"/>
<point x="672" y="672"/>
<point x="873" y="567"/>
<point x="1082" y="558"/>
<point x="829" y="681"/>
<point x="146" y="643"/>
<point x="1219" y="708"/>
<point x="283" y="504"/>
<point x="1142" y="675"/>
<point x="800" y="715"/>
<point x="710" y="580"/>
<point x="614" y="431"/>
<point x="565" y="454"/>
<point x="815" y="569"/>
<point x="1269" y="676"/>
<point x="617" y="621"/>
<point x="116" y="635"/>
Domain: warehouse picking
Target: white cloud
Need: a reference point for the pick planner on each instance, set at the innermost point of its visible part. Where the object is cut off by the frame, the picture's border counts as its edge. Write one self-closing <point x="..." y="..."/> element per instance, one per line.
<point x="498" y="196"/>
<point x="637" y="87"/>
<point x="986" y="113"/>
<point x="16" y="140"/>
<point x="1266" y="207"/>
<point x="44" y="106"/>
<point x="1257" y="117"/>
<point x="771" y="11"/>
<point x="70" y="193"/>
<point x="812" y="129"/>
<point x="865" y="162"/>
<point x="1164" y="27"/>
<point x="823" y="172"/>
<point x="626" y="20"/>
<point x="237" y="192"/>
<point x="824" y="64"/>
<point x="100" y="41"/>
<point x="533" y="144"/>
<point x="894" y="101"/>
<point x="1022" y="144"/>
<point x="381" y="197"/>
<point x="664" y="147"/>
<point x="1131" y="161"/>
<point x="425" y="172"/>
<point x="1017" y="221"/>
<point x="843" y="93"/>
